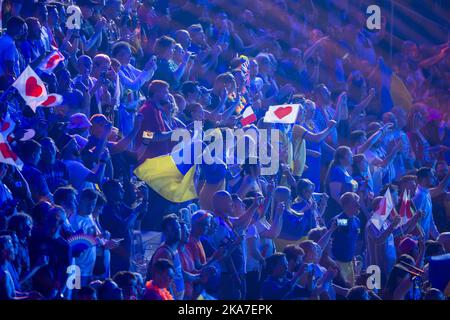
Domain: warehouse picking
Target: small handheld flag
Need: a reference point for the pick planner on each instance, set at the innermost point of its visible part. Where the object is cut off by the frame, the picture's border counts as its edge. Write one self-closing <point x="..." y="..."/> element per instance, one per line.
<point x="248" y="117"/>
<point x="51" y="62"/>
<point x="406" y="211"/>
<point x="31" y="88"/>
<point x="7" y="155"/>
<point x="383" y="211"/>
<point x="53" y="100"/>
<point x="286" y="114"/>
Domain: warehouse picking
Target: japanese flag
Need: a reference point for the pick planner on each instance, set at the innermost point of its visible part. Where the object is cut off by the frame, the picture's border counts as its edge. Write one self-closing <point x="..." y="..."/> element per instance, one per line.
<point x="383" y="211"/>
<point x="7" y="155"/>
<point x="53" y="100"/>
<point x="7" y="125"/>
<point x="286" y="113"/>
<point x="51" y="62"/>
<point x="248" y="117"/>
<point x="31" y="88"/>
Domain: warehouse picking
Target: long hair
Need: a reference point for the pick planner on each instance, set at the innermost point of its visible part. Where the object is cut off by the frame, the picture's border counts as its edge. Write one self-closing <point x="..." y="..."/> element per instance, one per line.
<point x="274" y="202"/>
<point x="339" y="154"/>
<point x="357" y="159"/>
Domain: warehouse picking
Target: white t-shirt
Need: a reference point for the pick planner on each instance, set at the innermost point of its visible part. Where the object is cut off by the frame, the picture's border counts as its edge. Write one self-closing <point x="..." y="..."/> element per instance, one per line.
<point x="86" y="260"/>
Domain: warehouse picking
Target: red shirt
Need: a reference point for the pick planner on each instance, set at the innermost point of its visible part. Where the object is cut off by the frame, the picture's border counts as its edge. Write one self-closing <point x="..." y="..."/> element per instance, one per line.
<point x="154" y="123"/>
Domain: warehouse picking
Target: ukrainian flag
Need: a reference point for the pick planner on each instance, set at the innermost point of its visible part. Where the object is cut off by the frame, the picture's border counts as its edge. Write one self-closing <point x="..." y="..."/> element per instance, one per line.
<point x="174" y="182"/>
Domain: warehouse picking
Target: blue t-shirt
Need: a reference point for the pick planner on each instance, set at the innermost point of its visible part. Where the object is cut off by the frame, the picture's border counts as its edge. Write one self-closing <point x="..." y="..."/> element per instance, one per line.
<point x="345" y="238"/>
<point x="338" y="174"/>
<point x="294" y="227"/>
<point x="9" y="52"/>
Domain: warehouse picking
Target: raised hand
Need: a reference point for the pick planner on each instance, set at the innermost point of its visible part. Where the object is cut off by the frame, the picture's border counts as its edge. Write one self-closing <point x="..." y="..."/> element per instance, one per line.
<point x="151" y="64"/>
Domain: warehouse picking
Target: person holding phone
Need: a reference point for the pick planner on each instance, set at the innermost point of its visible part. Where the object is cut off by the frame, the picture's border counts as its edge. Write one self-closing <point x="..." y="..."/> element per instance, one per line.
<point x="119" y="220"/>
<point x="231" y="224"/>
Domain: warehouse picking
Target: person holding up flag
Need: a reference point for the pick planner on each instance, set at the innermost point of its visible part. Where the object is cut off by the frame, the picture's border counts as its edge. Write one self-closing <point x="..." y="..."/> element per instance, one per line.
<point x="381" y="249"/>
<point x="299" y="137"/>
<point x="406" y="211"/>
<point x="31" y="88"/>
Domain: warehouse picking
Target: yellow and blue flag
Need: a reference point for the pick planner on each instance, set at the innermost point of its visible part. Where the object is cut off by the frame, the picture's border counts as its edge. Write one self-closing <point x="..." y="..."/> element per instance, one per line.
<point x="171" y="180"/>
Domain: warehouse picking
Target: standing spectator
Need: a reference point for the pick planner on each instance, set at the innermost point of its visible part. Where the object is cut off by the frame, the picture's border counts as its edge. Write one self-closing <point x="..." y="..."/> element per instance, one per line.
<point x="131" y="79"/>
<point x="31" y="154"/>
<point x="83" y="223"/>
<point x="53" y="170"/>
<point x="346" y="235"/>
<point x="169" y="250"/>
<point x="66" y="197"/>
<point x="119" y="220"/>
<point x="80" y="176"/>
<point x="426" y="190"/>
<point x="339" y="181"/>
<point x="49" y="251"/>
<point x="11" y="61"/>
<point x="22" y="224"/>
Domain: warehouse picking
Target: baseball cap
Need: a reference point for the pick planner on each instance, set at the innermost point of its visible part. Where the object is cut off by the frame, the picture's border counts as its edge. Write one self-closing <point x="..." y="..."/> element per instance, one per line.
<point x="79" y="121"/>
<point x="99" y="119"/>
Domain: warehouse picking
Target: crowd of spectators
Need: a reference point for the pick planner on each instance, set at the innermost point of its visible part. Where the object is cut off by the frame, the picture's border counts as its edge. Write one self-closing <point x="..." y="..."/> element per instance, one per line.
<point x="368" y="122"/>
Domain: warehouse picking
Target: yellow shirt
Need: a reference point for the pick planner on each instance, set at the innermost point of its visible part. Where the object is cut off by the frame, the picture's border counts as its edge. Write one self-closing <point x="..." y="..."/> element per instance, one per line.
<point x="299" y="150"/>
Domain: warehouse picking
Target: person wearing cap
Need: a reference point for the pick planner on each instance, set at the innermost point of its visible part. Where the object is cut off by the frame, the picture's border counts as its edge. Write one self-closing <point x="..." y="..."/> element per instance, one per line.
<point x="80" y="177"/>
<point x="400" y="282"/>
<point x="78" y="127"/>
<point x="100" y="132"/>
